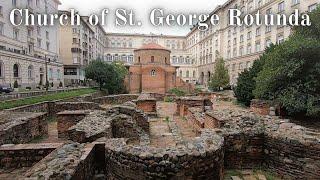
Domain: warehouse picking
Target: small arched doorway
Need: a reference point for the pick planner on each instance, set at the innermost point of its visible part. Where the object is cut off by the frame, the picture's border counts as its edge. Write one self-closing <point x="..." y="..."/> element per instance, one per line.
<point x="202" y="78"/>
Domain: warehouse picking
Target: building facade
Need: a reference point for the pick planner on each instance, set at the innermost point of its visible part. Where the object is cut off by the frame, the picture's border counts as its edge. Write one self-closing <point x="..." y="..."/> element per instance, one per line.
<point x="120" y="47"/>
<point x="196" y="53"/>
<point x="29" y="55"/>
<point x="78" y="46"/>
<point x="240" y="46"/>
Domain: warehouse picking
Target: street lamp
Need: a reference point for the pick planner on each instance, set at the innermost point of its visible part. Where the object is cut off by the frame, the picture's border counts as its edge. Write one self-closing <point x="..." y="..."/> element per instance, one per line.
<point x="46" y="65"/>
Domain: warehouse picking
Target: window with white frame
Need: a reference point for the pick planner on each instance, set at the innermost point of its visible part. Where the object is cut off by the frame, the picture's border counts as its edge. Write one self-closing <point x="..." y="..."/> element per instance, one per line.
<point x="249" y="35"/>
<point x="294" y="2"/>
<point x="30" y="72"/>
<point x="39" y="42"/>
<point x="258" y="32"/>
<point x="14" y="3"/>
<point x="281" y="6"/>
<point x="241" y="51"/>
<point x="1" y="69"/>
<point x="1" y="28"/>
<point x="153" y="72"/>
<point x="1" y="11"/>
<point x="268" y="42"/>
<point x="280" y="38"/>
<point x="312" y="7"/>
<point x="16" y="34"/>
<point x="258" y="46"/>
<point x="249" y="49"/>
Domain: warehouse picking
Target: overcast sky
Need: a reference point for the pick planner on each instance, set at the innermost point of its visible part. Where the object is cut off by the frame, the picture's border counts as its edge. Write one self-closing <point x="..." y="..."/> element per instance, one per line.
<point x="142" y="10"/>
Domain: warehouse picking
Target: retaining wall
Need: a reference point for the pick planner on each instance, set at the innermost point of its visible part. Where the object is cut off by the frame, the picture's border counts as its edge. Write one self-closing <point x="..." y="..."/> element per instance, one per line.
<point x="24" y="128"/>
<point x="115" y="99"/>
<point x="24" y="155"/>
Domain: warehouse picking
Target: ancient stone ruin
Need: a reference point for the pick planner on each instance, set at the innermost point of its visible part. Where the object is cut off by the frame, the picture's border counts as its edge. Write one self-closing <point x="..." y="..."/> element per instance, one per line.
<point x="142" y="137"/>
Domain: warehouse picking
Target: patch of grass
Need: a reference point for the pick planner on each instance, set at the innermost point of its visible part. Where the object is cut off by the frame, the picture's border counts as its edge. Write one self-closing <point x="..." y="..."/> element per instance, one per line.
<point x="51" y="119"/>
<point x="269" y="175"/>
<point x="167" y="119"/>
<point x="232" y="172"/>
<point x="49" y="97"/>
<point x="168" y="99"/>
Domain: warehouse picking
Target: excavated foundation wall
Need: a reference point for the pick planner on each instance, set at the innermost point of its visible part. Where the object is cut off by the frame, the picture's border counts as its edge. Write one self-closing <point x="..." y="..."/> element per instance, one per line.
<point x="292" y="159"/>
<point x="24" y="129"/>
<point x="24" y="155"/>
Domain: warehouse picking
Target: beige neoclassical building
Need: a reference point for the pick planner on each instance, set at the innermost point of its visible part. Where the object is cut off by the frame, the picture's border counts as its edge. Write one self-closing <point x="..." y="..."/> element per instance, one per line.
<point x="121" y="46"/>
<point x="195" y="54"/>
<point x="240" y="46"/>
<point x="29" y="54"/>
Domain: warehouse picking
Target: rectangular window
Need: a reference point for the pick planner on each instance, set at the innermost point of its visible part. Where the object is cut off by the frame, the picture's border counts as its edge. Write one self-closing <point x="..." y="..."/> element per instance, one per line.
<point x="1" y="11"/>
<point x="249" y="49"/>
<point x="30" y="2"/>
<point x="258" y="32"/>
<point x="258" y="47"/>
<point x="14" y="3"/>
<point x="268" y="42"/>
<point x="312" y="7"/>
<point x="48" y="46"/>
<point x="280" y="38"/>
<point x="39" y="43"/>
<point x="38" y="31"/>
<point x="16" y="34"/>
<point x="281" y="7"/>
<point x="294" y="2"/>
<point x="249" y="35"/>
<point x="1" y="28"/>
<point x="268" y="29"/>
<point x="38" y="3"/>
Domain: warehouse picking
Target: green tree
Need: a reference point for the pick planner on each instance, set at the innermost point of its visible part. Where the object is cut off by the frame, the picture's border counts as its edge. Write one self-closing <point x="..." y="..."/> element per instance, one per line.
<point x="108" y="76"/>
<point x="246" y="81"/>
<point x="116" y="84"/>
<point x="292" y="71"/>
<point x="220" y="77"/>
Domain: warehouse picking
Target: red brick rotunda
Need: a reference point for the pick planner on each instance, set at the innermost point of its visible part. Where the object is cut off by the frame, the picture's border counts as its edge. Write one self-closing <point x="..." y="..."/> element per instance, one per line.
<point x="151" y="71"/>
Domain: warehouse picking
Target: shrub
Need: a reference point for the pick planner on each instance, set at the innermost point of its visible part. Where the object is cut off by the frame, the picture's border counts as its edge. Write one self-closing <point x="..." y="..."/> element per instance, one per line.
<point x="15" y="84"/>
<point x="177" y="91"/>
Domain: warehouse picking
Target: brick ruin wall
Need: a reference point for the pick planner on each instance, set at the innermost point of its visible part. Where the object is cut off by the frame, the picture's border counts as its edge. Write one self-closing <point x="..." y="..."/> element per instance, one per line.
<point x="24" y="129"/>
<point x="260" y="107"/>
<point x="115" y="99"/>
<point x="24" y="155"/>
<point x="71" y="161"/>
<point x="67" y="119"/>
<point x="289" y="150"/>
<point x="198" y="160"/>
<point x="54" y="107"/>
<point x="148" y="106"/>
<point x="292" y="158"/>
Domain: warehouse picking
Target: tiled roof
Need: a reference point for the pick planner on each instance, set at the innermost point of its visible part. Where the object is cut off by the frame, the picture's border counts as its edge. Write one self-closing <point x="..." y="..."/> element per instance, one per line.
<point x="152" y="46"/>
